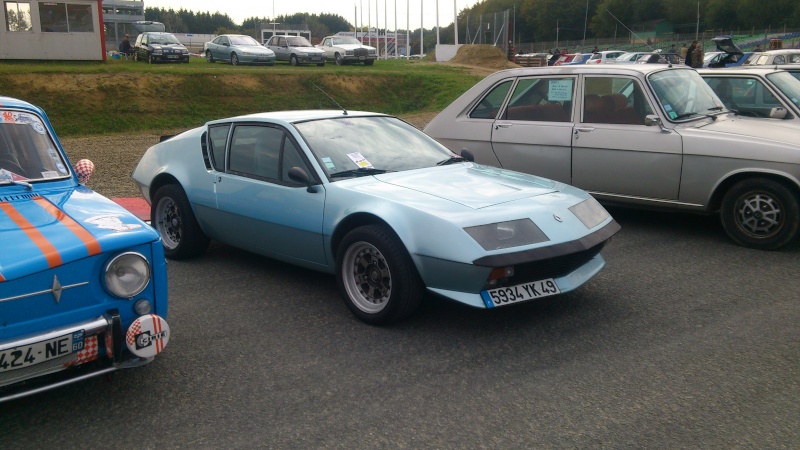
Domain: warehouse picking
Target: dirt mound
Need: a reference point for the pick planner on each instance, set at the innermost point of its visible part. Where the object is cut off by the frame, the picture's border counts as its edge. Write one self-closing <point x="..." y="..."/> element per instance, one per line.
<point x="486" y="56"/>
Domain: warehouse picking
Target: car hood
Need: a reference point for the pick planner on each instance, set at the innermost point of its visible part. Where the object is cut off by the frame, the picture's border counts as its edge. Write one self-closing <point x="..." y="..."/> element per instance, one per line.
<point x="472" y="185"/>
<point x="307" y="49"/>
<point x="748" y="128"/>
<point x="254" y="49"/>
<point x="172" y="46"/>
<point x="352" y="46"/>
<point x="40" y="232"/>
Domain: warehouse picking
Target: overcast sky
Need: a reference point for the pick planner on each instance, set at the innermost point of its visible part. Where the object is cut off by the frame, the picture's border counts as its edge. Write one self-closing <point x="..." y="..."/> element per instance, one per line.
<point x="238" y="10"/>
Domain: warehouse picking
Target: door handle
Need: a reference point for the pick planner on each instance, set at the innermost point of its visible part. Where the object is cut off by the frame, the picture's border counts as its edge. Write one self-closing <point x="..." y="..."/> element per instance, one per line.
<point x="583" y="129"/>
<point x="502" y="125"/>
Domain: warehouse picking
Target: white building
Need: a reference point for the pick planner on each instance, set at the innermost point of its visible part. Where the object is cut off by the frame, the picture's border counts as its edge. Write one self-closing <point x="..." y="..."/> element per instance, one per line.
<point x="57" y="30"/>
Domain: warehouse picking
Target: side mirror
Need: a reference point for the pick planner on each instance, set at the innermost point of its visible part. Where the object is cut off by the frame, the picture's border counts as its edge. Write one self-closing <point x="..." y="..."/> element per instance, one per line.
<point x="466" y="154"/>
<point x="299" y="175"/>
<point x="777" y="113"/>
<point x="652" y="120"/>
<point x="84" y="169"/>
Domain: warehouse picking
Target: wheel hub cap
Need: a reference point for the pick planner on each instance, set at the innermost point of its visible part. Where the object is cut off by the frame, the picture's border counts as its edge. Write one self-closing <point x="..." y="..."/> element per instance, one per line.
<point x="760" y="215"/>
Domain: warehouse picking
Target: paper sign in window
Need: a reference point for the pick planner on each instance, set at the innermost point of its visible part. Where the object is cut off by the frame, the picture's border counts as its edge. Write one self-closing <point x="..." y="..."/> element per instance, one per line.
<point x="560" y="91"/>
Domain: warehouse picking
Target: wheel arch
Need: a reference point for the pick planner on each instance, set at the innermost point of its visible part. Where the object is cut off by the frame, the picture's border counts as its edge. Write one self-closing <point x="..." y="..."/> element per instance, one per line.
<point x="354" y="221"/>
<point x="788" y="181"/>
<point x="160" y="181"/>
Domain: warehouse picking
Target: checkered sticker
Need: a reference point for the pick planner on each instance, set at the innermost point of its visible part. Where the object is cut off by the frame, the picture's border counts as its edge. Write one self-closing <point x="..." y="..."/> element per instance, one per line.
<point x="147" y="336"/>
<point x="90" y="352"/>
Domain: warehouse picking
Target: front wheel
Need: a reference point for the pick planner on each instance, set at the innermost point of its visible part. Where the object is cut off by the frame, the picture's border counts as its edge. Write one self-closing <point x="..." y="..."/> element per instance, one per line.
<point x="234" y="59"/>
<point x="376" y="277"/>
<point x="760" y="213"/>
<point x="209" y="56"/>
<point x="369" y="62"/>
<point x="293" y="60"/>
<point x="172" y="216"/>
<point x="338" y="59"/>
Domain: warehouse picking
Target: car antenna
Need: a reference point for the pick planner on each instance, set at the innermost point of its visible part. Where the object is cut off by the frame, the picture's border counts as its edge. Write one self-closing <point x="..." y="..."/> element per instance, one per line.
<point x="334" y="101"/>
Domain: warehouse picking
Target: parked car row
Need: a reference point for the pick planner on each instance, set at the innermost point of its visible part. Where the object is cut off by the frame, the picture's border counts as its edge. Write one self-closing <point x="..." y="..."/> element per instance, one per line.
<point x="236" y="49"/>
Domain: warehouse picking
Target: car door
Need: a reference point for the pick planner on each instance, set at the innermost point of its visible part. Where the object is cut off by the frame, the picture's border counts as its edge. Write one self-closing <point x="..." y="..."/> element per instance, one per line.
<point x="278" y="45"/>
<point x="259" y="207"/>
<point x="614" y="154"/>
<point x="533" y="133"/>
<point x="220" y="50"/>
<point x="327" y="47"/>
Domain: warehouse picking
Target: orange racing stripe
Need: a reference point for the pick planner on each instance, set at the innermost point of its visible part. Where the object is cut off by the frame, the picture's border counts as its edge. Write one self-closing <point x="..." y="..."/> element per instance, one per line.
<point x="88" y="240"/>
<point x="50" y="252"/>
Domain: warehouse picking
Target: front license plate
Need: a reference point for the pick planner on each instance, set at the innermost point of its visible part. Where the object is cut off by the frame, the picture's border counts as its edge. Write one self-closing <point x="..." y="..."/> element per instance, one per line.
<point x="362" y="58"/>
<point x="519" y="293"/>
<point x="173" y="56"/>
<point x="316" y="58"/>
<point x="39" y="352"/>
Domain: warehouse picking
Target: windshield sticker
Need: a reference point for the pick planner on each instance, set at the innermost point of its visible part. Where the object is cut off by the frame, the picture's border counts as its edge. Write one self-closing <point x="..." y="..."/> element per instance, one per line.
<point x="668" y="107"/>
<point x="672" y="114"/>
<point x="7" y="175"/>
<point x="360" y="161"/>
<point x="49" y="174"/>
<point x="560" y="91"/>
<point x="111" y="222"/>
<point x="23" y="119"/>
<point x="328" y="163"/>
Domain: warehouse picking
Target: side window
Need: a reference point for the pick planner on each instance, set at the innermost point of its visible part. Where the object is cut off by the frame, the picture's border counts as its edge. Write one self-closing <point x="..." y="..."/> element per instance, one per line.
<point x="490" y="105"/>
<point x="263" y="152"/>
<point x="779" y="60"/>
<point x="291" y="158"/>
<point x="614" y="100"/>
<point x="217" y="139"/>
<point x="542" y="100"/>
<point x="223" y="40"/>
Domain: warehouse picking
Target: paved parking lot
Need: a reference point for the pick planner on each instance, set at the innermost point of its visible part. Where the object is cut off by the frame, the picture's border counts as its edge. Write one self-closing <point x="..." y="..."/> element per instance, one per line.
<point x="683" y="340"/>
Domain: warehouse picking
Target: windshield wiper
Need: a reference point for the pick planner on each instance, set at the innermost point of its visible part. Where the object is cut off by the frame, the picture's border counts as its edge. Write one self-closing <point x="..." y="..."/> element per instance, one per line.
<point x="17" y="182"/>
<point x="685" y="115"/>
<point x="361" y="171"/>
<point x="452" y="159"/>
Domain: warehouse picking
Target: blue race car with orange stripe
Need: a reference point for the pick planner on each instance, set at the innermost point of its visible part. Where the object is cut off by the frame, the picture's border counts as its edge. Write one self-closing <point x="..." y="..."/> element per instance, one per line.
<point x="83" y="286"/>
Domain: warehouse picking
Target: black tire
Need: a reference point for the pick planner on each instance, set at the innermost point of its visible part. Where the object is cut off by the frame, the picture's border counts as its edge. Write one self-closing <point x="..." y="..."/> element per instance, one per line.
<point x="376" y="277"/>
<point x="293" y="60"/>
<point x="369" y="62"/>
<point x="171" y="215"/>
<point x="234" y="59"/>
<point x="209" y="56"/>
<point x="337" y="58"/>
<point x="760" y="213"/>
<point x="322" y="64"/>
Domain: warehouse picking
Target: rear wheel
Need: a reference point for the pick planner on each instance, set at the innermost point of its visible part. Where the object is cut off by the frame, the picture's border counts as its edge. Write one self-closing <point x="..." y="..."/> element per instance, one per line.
<point x="172" y="216"/>
<point x="376" y="277"/>
<point x="760" y="213"/>
<point x="209" y="56"/>
<point x="234" y="59"/>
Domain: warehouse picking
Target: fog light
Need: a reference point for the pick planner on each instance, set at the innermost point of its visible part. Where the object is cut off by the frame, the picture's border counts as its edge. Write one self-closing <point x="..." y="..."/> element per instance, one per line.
<point x="142" y="307"/>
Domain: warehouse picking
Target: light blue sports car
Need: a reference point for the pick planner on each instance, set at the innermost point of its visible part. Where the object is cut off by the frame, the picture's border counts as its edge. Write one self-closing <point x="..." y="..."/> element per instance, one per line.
<point x="377" y="202"/>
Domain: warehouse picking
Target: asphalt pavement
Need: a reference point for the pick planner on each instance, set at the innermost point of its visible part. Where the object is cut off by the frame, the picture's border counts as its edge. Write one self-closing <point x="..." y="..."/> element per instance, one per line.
<point x="684" y="340"/>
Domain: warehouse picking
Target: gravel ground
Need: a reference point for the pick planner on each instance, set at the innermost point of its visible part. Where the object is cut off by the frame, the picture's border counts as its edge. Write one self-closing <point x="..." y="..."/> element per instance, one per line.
<point x="116" y="156"/>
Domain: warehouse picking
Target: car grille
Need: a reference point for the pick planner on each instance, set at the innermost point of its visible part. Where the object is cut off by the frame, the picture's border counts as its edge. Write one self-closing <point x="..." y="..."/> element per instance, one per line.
<point x="553" y="267"/>
<point x="360" y="52"/>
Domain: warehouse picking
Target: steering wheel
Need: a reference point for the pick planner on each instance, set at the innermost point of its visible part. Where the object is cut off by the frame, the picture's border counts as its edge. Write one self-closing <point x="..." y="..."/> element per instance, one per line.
<point x="12" y="166"/>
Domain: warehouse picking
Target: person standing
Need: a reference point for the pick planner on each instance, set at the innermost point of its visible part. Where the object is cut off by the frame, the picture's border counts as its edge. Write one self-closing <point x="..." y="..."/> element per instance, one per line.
<point x="684" y="49"/>
<point x="697" y="56"/>
<point x="689" y="51"/>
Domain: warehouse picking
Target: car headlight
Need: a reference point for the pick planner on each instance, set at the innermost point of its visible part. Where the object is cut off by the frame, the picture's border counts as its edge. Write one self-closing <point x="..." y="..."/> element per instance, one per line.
<point x="302" y="54"/>
<point x="514" y="233"/>
<point x="247" y="54"/>
<point x="127" y="275"/>
<point x="590" y="212"/>
<point x="372" y="52"/>
<point x="348" y="53"/>
<point x="157" y="52"/>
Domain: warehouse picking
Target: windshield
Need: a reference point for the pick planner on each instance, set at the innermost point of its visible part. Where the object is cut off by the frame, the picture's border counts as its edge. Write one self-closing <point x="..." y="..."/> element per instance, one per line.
<point x="789" y="85"/>
<point x="370" y="143"/>
<point x="346" y="41"/>
<point x="243" y="40"/>
<point x="298" y="41"/>
<point x="163" y="39"/>
<point x="683" y="94"/>
<point x="26" y="150"/>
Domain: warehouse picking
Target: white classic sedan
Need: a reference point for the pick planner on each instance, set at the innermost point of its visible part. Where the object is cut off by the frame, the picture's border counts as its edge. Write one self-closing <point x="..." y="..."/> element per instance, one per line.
<point x="347" y="49"/>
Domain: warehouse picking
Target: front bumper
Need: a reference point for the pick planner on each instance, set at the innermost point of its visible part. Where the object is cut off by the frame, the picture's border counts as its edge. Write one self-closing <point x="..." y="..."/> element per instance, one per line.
<point x="105" y="347"/>
<point x="311" y="59"/>
<point x="171" y="57"/>
<point x="353" y="58"/>
<point x="257" y="59"/>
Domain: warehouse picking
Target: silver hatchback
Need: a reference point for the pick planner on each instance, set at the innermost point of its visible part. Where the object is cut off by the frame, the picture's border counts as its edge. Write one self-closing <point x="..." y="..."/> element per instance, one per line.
<point x="647" y="135"/>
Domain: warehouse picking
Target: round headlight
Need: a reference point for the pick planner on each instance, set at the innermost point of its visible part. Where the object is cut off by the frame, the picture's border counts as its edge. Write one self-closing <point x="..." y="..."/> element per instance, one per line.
<point x="127" y="275"/>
